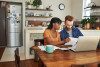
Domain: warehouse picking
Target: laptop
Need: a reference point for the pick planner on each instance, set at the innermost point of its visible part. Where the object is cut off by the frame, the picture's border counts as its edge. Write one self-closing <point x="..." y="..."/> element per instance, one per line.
<point x="86" y="43"/>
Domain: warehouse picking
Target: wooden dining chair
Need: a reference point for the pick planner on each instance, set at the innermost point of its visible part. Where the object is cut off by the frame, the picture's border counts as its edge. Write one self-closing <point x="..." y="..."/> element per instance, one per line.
<point x="17" y="58"/>
<point x="38" y="42"/>
<point x="95" y="64"/>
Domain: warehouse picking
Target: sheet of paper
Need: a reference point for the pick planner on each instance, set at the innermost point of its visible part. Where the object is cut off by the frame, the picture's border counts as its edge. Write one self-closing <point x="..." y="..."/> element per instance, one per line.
<point x="44" y="47"/>
<point x="64" y="48"/>
<point x="72" y="42"/>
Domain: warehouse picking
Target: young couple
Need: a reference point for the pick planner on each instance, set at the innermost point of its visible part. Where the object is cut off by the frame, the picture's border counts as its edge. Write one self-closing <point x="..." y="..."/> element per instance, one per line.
<point x="52" y="36"/>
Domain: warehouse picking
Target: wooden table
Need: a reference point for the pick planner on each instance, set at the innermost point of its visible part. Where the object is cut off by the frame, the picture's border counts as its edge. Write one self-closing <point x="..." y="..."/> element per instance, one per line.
<point x="61" y="58"/>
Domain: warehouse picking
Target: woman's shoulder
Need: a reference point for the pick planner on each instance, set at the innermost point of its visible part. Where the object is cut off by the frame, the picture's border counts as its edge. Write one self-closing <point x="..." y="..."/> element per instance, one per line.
<point x="47" y="30"/>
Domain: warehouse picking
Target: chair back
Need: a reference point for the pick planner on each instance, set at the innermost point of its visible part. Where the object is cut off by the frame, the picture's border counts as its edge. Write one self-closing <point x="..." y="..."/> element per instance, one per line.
<point x="39" y="42"/>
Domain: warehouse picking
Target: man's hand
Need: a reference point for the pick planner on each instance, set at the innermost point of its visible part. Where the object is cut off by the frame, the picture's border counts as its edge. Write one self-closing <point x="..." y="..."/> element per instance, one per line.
<point x="67" y="40"/>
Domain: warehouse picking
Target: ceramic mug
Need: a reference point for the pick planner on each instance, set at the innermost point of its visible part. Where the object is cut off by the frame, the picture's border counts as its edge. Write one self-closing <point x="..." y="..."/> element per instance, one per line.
<point x="49" y="48"/>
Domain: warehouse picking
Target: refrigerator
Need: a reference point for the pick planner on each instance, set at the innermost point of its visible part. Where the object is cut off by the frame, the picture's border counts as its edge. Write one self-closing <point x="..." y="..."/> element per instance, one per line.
<point x="11" y="24"/>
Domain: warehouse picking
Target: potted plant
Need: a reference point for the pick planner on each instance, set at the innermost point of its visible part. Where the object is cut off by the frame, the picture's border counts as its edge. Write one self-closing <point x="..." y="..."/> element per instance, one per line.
<point x="37" y="3"/>
<point x="88" y="22"/>
<point x="28" y="4"/>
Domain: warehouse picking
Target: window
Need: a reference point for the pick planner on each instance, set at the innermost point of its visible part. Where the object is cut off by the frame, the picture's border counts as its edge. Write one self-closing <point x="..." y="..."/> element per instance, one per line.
<point x="86" y="12"/>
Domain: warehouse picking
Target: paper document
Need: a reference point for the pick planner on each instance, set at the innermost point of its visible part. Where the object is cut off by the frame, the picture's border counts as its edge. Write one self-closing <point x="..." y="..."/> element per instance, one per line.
<point x="72" y="42"/>
<point x="44" y="47"/>
<point x="64" y="48"/>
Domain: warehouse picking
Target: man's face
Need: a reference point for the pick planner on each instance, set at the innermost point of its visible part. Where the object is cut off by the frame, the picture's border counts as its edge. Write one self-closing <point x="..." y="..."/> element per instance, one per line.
<point x="69" y="24"/>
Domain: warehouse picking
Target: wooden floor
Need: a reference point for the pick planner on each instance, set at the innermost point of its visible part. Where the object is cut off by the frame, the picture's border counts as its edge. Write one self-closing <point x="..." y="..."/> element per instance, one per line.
<point x="24" y="63"/>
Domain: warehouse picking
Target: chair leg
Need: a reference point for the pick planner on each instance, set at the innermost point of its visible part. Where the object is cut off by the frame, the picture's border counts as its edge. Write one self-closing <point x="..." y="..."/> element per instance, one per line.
<point x="40" y="63"/>
<point x="17" y="58"/>
<point x="36" y="58"/>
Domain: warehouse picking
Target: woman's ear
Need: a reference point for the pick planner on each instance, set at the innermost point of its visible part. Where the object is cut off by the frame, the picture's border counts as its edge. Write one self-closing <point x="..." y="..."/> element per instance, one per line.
<point x="53" y="24"/>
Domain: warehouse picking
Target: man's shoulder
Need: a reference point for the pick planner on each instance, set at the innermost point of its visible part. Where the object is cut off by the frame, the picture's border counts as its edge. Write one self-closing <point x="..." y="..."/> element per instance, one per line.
<point x="63" y="30"/>
<point x="75" y="28"/>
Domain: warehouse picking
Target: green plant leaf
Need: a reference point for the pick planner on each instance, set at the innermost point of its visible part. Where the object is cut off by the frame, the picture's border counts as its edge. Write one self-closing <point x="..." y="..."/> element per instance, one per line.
<point x="88" y="20"/>
<point x="37" y="3"/>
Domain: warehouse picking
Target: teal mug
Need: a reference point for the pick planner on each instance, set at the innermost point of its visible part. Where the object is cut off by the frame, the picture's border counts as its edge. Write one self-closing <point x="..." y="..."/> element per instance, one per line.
<point x="49" y="48"/>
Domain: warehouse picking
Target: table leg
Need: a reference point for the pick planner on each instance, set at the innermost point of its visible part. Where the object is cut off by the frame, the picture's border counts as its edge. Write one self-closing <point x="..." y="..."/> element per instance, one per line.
<point x="40" y="63"/>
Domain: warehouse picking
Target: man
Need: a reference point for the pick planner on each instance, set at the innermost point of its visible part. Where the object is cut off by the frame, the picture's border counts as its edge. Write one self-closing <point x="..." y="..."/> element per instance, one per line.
<point x="69" y="30"/>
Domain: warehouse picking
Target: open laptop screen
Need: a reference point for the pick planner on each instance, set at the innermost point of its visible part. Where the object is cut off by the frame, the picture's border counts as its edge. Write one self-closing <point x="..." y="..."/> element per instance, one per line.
<point x="86" y="43"/>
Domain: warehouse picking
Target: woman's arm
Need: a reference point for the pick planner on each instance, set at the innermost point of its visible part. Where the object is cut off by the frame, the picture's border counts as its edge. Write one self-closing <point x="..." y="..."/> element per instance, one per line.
<point x="50" y="41"/>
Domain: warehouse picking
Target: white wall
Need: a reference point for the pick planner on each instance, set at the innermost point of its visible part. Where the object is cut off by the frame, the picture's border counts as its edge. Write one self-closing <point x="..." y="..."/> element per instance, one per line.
<point x="76" y="9"/>
<point x="56" y="11"/>
<point x="97" y="2"/>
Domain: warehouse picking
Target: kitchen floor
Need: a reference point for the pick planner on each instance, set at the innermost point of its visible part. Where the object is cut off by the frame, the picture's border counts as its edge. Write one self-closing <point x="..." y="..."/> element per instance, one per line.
<point x="24" y="63"/>
<point x="8" y="54"/>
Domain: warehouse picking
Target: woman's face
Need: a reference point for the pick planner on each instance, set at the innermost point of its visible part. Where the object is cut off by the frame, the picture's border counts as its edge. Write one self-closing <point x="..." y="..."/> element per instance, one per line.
<point x="69" y="24"/>
<point x="56" y="26"/>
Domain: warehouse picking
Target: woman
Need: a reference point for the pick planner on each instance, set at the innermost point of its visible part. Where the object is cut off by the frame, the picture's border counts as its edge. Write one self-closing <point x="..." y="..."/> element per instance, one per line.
<point x="70" y="30"/>
<point x="51" y="35"/>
